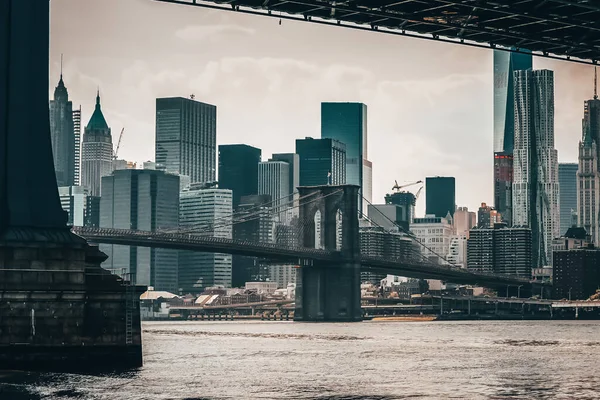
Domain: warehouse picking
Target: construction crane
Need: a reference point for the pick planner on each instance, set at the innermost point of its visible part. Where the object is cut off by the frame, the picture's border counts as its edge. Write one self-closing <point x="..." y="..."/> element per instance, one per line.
<point x="418" y="193"/>
<point x="397" y="187"/>
<point x="118" y="144"/>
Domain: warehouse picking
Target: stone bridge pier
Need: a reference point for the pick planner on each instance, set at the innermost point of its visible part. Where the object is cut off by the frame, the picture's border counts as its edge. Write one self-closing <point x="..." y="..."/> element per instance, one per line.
<point x="329" y="292"/>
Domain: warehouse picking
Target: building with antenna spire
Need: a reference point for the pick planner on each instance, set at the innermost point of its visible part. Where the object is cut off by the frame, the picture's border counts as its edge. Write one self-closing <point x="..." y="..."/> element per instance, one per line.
<point x="62" y="134"/>
<point x="97" y="151"/>
<point x="588" y="173"/>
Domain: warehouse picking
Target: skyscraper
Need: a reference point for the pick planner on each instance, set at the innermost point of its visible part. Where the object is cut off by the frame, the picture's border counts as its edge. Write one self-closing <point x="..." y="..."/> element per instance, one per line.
<point x="293" y="161"/>
<point x="145" y="200"/>
<point x="77" y="135"/>
<point x="535" y="163"/>
<point x="273" y="180"/>
<point x="186" y="138"/>
<point x="440" y="196"/>
<point x="567" y="182"/>
<point x="208" y="211"/>
<point x="238" y="170"/>
<point x="322" y="161"/>
<point x="73" y="200"/>
<point x="505" y="63"/>
<point x="97" y="151"/>
<point x="62" y="135"/>
<point x="347" y="123"/>
<point x="588" y="173"/>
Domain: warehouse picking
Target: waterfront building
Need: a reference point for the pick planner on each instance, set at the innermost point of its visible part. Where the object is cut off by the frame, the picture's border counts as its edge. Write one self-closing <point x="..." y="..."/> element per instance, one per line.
<point x="73" y="200"/>
<point x="535" y="186"/>
<point x="322" y="161"/>
<point x="145" y="200"/>
<point x="96" y="151"/>
<point x="207" y="211"/>
<point x="576" y="274"/>
<point x="440" y="196"/>
<point x="186" y="138"/>
<point x="567" y="183"/>
<point x="500" y="250"/>
<point x="435" y="233"/>
<point x="505" y="64"/>
<point x="238" y="170"/>
<point x="376" y="241"/>
<point x="347" y="123"/>
<point x="62" y="135"/>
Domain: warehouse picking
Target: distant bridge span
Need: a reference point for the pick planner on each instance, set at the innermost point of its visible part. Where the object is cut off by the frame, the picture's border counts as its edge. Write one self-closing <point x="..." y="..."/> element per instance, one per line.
<point x="209" y="244"/>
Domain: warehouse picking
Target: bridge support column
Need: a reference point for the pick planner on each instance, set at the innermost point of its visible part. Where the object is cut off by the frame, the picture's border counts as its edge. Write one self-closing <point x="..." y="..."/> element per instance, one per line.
<point x="330" y="291"/>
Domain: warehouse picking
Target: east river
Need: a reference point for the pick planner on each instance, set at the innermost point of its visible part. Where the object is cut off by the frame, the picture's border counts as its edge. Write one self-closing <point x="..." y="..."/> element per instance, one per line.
<point x="369" y="360"/>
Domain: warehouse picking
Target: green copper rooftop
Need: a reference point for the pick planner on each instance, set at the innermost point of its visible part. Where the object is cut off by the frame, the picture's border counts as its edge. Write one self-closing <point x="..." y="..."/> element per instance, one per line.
<point x="97" y="121"/>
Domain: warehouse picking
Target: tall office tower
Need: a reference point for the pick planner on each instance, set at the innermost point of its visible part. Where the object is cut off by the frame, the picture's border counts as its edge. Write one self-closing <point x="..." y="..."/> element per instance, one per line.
<point x="440" y="196"/>
<point x="256" y="225"/>
<point x="500" y="250"/>
<point x="92" y="212"/>
<point x="322" y="161"/>
<point x="567" y="182"/>
<point x="436" y="234"/>
<point x="273" y="180"/>
<point x="505" y="63"/>
<point x="347" y="123"/>
<point x="457" y="253"/>
<point x="392" y="217"/>
<point x="186" y="138"/>
<point x="407" y="201"/>
<point x="96" y="151"/>
<point x="378" y="242"/>
<point x="503" y="178"/>
<point x="73" y="200"/>
<point x="535" y="163"/>
<point x="588" y="173"/>
<point x="208" y="211"/>
<point x="487" y="217"/>
<point x="62" y="135"/>
<point x="77" y="135"/>
<point x="145" y="200"/>
<point x="238" y="170"/>
<point x="576" y="274"/>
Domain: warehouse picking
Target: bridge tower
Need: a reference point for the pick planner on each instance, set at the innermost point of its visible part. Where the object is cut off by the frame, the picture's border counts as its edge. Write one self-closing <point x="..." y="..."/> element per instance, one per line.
<point x="330" y="291"/>
<point x="58" y="308"/>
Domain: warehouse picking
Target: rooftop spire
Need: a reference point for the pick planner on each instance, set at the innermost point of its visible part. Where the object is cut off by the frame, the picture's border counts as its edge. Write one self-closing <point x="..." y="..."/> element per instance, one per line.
<point x="595" y="83"/>
<point x="98" y="97"/>
<point x="61" y="63"/>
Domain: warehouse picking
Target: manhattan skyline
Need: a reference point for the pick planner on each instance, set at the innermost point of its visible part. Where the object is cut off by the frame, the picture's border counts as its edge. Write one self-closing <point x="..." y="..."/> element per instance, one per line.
<point x="430" y="104"/>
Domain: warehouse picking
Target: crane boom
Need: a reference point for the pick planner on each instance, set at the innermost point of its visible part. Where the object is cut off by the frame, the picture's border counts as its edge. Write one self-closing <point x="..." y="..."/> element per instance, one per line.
<point x="119" y="143"/>
<point x="397" y="187"/>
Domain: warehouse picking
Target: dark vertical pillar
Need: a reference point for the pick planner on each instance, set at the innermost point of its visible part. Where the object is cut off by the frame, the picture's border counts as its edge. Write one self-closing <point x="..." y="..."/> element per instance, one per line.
<point x="330" y="292"/>
<point x="28" y="192"/>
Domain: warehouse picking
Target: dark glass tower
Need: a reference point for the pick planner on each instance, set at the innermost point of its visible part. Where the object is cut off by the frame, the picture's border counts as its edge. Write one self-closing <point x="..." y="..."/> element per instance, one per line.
<point x="505" y="63"/>
<point x="440" y="196"/>
<point x="238" y="170"/>
<point x="322" y="161"/>
<point x="186" y="138"/>
<point x="63" y="135"/>
<point x="347" y="123"/>
<point x="567" y="185"/>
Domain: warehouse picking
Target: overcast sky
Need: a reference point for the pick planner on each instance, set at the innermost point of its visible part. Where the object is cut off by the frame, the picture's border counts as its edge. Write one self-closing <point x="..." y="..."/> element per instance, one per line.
<point x="429" y="104"/>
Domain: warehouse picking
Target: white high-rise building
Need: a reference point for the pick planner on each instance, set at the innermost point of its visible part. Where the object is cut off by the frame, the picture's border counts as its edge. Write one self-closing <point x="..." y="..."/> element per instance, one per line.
<point x="535" y="163"/>
<point x="73" y="200"/>
<point x="457" y="253"/>
<point x="274" y="180"/>
<point x="435" y="233"/>
<point x="208" y="212"/>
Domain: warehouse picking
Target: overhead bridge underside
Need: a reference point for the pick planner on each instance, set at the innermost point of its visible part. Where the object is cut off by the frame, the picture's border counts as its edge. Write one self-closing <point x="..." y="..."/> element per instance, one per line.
<point x="408" y="268"/>
<point x="551" y="28"/>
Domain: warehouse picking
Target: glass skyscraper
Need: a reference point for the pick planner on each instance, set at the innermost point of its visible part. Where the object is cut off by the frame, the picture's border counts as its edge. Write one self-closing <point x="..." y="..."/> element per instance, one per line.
<point x="322" y="161"/>
<point x="347" y="123"/>
<point x="145" y="200"/>
<point x="505" y="63"/>
<point x="238" y="170"/>
<point x="440" y="196"/>
<point x="535" y="164"/>
<point x="63" y="135"/>
<point x="567" y="182"/>
<point x="186" y="138"/>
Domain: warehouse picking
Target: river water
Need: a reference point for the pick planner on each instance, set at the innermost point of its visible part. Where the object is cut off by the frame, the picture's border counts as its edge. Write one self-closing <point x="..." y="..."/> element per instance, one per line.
<point x="369" y="360"/>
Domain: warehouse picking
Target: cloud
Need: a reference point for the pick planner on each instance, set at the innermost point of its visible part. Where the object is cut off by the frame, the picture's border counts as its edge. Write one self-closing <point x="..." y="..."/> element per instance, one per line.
<point x="207" y="32"/>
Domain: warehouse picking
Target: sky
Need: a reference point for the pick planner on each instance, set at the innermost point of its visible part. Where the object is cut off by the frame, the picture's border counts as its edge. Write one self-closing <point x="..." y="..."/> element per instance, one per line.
<point x="429" y="103"/>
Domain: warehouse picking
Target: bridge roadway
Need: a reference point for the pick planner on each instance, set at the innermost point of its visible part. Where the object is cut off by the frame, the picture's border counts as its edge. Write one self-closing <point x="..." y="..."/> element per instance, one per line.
<point x="210" y="244"/>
